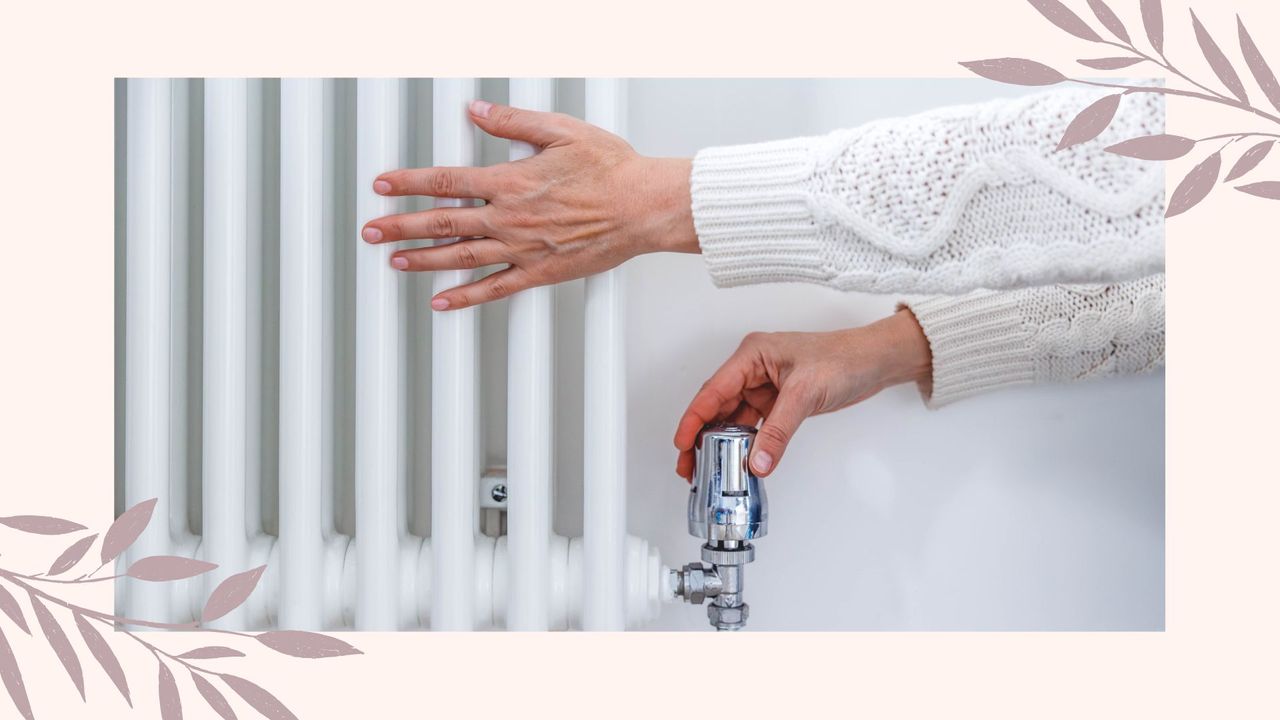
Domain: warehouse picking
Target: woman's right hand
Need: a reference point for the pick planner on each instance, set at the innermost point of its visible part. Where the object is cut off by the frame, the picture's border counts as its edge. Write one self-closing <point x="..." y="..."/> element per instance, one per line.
<point x="586" y="203"/>
<point x="783" y="378"/>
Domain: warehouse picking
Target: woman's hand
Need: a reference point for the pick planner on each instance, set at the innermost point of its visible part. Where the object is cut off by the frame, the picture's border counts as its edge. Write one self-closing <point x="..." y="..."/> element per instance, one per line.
<point x="584" y="204"/>
<point x="784" y="378"/>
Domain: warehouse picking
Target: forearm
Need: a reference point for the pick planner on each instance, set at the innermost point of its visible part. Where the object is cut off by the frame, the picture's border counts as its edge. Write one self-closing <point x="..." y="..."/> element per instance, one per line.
<point x="944" y="202"/>
<point x="1057" y="333"/>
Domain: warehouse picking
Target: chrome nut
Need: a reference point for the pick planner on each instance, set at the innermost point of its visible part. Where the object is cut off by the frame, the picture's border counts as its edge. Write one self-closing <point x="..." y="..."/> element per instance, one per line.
<point x="728" y="618"/>
<point x="697" y="582"/>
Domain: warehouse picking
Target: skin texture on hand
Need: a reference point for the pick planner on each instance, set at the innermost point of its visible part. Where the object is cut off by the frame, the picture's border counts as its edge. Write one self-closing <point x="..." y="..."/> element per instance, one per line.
<point x="585" y="203"/>
<point x="783" y="378"/>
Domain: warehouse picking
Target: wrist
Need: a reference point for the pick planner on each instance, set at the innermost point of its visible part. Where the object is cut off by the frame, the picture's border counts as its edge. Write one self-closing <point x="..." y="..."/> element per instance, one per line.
<point x="665" y="211"/>
<point x="907" y="356"/>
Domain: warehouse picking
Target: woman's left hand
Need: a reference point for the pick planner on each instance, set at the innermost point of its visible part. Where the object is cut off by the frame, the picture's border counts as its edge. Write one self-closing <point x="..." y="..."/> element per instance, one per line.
<point x="585" y="203"/>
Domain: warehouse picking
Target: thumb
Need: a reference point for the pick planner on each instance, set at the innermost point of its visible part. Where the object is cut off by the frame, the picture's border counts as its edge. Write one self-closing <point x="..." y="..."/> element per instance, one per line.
<point x="538" y="128"/>
<point x="789" y="410"/>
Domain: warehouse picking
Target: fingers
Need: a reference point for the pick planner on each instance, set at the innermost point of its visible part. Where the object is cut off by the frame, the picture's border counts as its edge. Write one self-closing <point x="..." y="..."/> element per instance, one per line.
<point x="463" y="255"/>
<point x="539" y="128"/>
<point x="718" y="397"/>
<point x="438" y="223"/>
<point x="486" y="289"/>
<point x="790" y="409"/>
<point x="450" y="182"/>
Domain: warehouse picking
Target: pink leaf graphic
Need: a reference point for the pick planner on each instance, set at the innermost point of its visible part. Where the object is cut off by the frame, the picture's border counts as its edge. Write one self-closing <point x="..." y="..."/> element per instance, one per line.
<point x="58" y="641"/>
<point x="160" y="568"/>
<point x="12" y="678"/>
<point x="230" y="593"/>
<point x="1109" y="63"/>
<point x="1258" y="66"/>
<point x="1015" y="71"/>
<point x="101" y="652"/>
<point x="10" y="607"/>
<point x="1154" y="147"/>
<point x="1221" y="66"/>
<point x="259" y="699"/>
<point x="210" y="652"/>
<point x="72" y="555"/>
<point x="1091" y="121"/>
<point x="41" y="524"/>
<point x="213" y="697"/>
<point x="1249" y="160"/>
<point x="1153" y="21"/>
<point x="1195" y="186"/>
<point x="1269" y="189"/>
<point x="1060" y="15"/>
<point x="299" y="643"/>
<point x="1109" y="19"/>
<point x="170" y="700"/>
<point x="126" y="529"/>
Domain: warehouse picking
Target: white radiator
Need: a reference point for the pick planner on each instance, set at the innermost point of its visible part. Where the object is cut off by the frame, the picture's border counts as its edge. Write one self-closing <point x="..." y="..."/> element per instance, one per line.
<point x="263" y="343"/>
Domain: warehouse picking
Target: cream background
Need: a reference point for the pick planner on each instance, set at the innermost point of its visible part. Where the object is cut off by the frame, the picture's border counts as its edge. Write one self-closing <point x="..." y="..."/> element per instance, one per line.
<point x="1218" y="656"/>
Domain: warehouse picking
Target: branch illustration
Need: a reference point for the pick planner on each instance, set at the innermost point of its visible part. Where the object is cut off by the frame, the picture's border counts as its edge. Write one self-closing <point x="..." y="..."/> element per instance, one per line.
<point x="227" y="596"/>
<point x="1094" y="119"/>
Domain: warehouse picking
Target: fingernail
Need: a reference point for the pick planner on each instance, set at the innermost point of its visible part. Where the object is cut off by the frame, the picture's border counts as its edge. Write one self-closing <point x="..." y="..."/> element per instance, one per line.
<point x="480" y="108"/>
<point x="440" y="304"/>
<point x="382" y="187"/>
<point x="371" y="234"/>
<point x="399" y="263"/>
<point x="762" y="461"/>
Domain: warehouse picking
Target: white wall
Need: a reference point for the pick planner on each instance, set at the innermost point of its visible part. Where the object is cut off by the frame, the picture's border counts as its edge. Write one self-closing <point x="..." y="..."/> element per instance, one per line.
<point x="1032" y="509"/>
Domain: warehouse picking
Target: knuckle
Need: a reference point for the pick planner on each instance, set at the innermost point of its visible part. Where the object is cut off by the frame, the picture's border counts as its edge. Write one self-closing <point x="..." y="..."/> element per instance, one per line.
<point x="467" y="257"/>
<point x="773" y="435"/>
<point x="442" y="225"/>
<point x="497" y="289"/>
<point x="442" y="183"/>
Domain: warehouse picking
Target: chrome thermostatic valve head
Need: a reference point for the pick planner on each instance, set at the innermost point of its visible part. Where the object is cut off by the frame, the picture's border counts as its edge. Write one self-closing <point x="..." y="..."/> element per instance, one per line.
<point x="727" y="507"/>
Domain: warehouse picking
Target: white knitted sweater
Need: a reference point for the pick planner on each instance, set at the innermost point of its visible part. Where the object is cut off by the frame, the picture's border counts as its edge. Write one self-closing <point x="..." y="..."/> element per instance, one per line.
<point x="954" y="200"/>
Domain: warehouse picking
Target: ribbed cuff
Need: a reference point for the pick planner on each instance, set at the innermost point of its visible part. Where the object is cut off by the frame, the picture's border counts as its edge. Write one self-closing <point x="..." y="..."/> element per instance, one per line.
<point x="751" y="214"/>
<point x="978" y="343"/>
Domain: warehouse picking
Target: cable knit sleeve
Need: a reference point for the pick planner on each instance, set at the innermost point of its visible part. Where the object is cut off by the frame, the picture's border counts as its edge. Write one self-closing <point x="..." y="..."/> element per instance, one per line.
<point x="1056" y="333"/>
<point x="942" y="202"/>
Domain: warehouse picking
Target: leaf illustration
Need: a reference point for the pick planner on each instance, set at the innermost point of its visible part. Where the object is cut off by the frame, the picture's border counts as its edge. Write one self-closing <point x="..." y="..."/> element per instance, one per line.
<point x="159" y="568"/>
<point x="1249" y="160"/>
<point x="1154" y="147"/>
<point x="12" y="678"/>
<point x="126" y="529"/>
<point x="1153" y="21"/>
<point x="210" y="652"/>
<point x="213" y="697"/>
<point x="170" y="700"/>
<point x="41" y="524"/>
<point x="1109" y="19"/>
<point x="1015" y="71"/>
<point x="9" y="605"/>
<point x="1091" y="121"/>
<point x="58" y="641"/>
<point x="1221" y="66"/>
<point x="1060" y="15"/>
<point x="1109" y="63"/>
<point x="101" y="652"/>
<point x="1269" y="189"/>
<point x="299" y="643"/>
<point x="230" y="593"/>
<point x="259" y="699"/>
<point x="72" y="555"/>
<point x="1258" y="66"/>
<point x="1195" y="186"/>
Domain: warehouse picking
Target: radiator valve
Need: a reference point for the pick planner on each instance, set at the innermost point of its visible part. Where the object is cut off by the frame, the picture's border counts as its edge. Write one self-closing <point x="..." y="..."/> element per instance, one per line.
<point x="727" y="508"/>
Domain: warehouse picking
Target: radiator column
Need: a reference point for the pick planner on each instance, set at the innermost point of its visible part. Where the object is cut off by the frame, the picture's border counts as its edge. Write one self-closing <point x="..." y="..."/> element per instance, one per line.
<point x="455" y="430"/>
<point x="226" y="244"/>
<point x="604" y="524"/>
<point x="378" y="427"/>
<point x="148" y="303"/>
<point x="529" y="423"/>
<point x="302" y="412"/>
